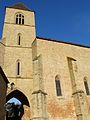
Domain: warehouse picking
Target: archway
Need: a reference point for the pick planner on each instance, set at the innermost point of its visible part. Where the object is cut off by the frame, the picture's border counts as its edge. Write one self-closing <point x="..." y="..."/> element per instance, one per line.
<point x="23" y="109"/>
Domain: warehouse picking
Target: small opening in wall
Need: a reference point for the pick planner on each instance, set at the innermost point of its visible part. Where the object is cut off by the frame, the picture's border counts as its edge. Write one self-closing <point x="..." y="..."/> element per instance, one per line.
<point x="19" y="37"/>
<point x="19" y="40"/>
<point x="58" y="86"/>
<point x="18" y="68"/>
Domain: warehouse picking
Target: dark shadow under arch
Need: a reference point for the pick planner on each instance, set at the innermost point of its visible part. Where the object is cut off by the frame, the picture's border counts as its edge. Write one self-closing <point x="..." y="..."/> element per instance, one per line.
<point x="19" y="95"/>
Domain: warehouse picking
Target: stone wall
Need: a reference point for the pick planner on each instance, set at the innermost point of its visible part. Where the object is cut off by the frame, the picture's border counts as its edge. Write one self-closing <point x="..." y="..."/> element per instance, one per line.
<point x="2" y="51"/>
<point x="22" y="53"/>
<point x="40" y="62"/>
<point x="2" y="97"/>
<point x="54" y="61"/>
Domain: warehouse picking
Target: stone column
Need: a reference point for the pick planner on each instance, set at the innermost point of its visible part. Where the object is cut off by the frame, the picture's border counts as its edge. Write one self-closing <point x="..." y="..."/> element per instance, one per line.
<point x="39" y="96"/>
<point x="27" y="113"/>
<point x="78" y="94"/>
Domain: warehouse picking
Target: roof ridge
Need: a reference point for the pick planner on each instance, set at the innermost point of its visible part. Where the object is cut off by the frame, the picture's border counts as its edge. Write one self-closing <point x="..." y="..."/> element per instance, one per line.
<point x="20" y="6"/>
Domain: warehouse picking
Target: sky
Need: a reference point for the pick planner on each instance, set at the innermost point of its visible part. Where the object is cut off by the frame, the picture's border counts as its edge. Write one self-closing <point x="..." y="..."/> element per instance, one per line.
<point x="14" y="100"/>
<point x="64" y="20"/>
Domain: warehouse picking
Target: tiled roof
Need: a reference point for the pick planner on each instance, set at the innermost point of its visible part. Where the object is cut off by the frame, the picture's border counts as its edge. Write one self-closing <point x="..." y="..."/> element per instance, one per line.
<point x="20" y="6"/>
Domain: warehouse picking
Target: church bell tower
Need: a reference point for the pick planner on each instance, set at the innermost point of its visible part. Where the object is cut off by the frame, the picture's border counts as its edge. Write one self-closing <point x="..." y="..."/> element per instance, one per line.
<point x="19" y="26"/>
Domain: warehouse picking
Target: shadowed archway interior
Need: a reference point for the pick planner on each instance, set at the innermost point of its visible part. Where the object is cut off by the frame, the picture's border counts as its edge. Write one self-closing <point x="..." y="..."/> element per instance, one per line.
<point x="19" y="95"/>
<point x="15" y="111"/>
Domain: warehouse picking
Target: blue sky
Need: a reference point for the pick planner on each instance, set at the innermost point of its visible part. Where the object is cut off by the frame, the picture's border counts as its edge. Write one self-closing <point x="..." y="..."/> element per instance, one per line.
<point x="66" y="20"/>
<point x="16" y="101"/>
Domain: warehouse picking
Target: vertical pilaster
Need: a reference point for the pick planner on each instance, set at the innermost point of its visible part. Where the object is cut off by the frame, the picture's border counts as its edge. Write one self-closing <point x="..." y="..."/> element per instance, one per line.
<point x="78" y="94"/>
<point x="39" y="96"/>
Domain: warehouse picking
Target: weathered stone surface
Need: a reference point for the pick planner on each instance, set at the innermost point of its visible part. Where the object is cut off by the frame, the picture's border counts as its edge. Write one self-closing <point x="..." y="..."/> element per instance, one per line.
<point x="3" y="89"/>
<point x="41" y="61"/>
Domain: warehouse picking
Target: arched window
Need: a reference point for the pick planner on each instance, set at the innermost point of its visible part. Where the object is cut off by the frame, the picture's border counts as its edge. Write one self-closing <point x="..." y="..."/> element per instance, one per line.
<point x="58" y="86"/>
<point x="19" y="38"/>
<point x="18" y="68"/>
<point x="19" y="18"/>
<point x="86" y="86"/>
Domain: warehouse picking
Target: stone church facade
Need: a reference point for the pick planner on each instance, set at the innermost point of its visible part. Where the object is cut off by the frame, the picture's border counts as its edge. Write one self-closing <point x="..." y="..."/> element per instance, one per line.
<point x="51" y="78"/>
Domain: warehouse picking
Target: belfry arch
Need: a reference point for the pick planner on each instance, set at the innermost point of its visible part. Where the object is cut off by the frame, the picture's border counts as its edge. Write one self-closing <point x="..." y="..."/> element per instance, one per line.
<point x="24" y="103"/>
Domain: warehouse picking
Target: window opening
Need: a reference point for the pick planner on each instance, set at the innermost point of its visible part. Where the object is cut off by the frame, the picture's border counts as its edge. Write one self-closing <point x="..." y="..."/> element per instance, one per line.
<point x="18" y="68"/>
<point x="19" y="40"/>
<point x="19" y="19"/>
<point x="58" y="86"/>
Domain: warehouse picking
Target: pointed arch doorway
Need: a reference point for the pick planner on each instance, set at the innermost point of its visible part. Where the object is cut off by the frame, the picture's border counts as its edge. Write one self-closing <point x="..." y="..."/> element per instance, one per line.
<point x="17" y="111"/>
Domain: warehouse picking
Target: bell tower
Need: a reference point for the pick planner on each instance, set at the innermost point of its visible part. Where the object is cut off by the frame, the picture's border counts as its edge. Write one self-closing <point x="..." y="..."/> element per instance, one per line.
<point x="24" y="73"/>
<point x="18" y="34"/>
<point x="19" y="26"/>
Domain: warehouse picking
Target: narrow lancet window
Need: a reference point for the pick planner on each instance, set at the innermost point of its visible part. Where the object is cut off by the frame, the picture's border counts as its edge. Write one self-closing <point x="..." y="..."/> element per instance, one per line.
<point x="86" y="86"/>
<point x="19" y="39"/>
<point x="18" y="68"/>
<point x="58" y="86"/>
<point x="16" y="19"/>
<point x="22" y="19"/>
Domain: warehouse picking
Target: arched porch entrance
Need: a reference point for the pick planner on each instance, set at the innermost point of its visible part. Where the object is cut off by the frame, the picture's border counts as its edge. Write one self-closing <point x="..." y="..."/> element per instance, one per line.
<point x="17" y="112"/>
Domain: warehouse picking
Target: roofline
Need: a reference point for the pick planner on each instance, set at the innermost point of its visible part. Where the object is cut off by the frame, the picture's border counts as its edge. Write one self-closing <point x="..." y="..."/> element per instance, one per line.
<point x="20" y="4"/>
<point x="54" y="40"/>
<point x="3" y="75"/>
<point x="20" y="9"/>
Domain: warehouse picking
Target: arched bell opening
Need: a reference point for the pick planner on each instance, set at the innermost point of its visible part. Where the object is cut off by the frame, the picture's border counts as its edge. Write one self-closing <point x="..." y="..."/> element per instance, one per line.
<point x="17" y="106"/>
